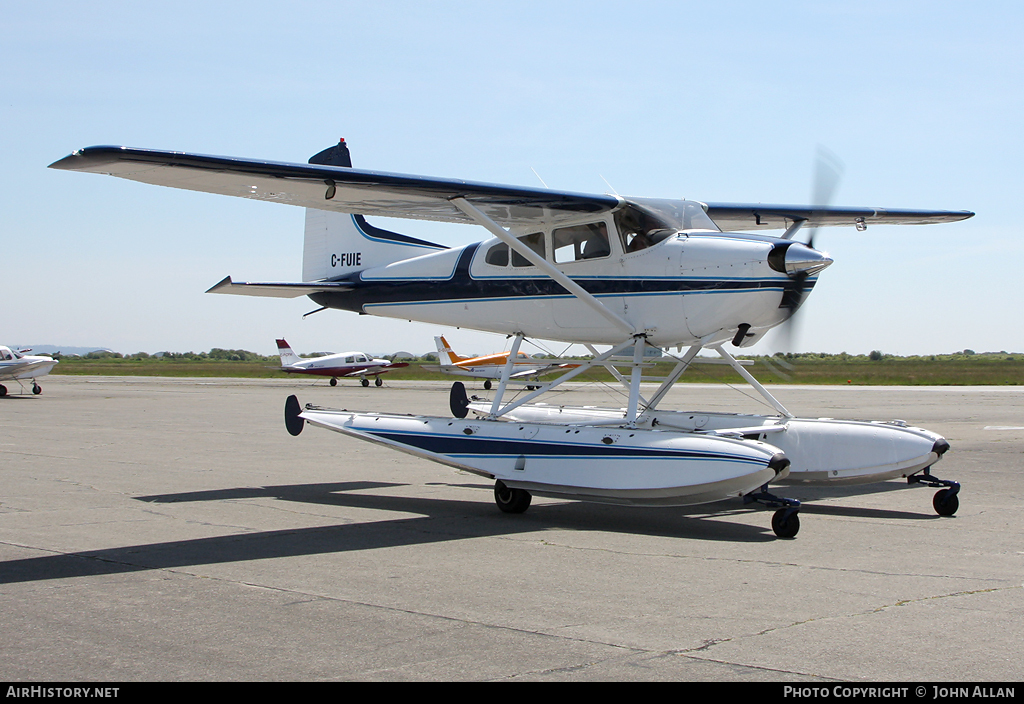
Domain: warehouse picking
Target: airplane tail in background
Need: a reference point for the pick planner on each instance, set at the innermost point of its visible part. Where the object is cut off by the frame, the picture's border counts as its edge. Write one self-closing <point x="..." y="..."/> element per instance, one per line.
<point x="288" y="357"/>
<point x="338" y="244"/>
<point x="445" y="355"/>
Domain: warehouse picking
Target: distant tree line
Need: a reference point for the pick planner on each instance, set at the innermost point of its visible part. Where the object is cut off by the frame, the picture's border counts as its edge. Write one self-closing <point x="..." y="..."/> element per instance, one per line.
<point x="235" y="355"/>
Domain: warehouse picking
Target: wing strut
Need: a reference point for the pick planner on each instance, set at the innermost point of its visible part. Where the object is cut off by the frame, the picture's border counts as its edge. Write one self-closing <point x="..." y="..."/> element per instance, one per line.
<point x="793" y="229"/>
<point x="752" y="381"/>
<point x="506" y="373"/>
<point x="481" y="218"/>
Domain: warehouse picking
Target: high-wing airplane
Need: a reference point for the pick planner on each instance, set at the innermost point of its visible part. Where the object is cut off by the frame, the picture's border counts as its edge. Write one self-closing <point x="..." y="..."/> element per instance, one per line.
<point x="581" y="268"/>
<point x="15" y="365"/>
<point x="489" y="367"/>
<point x="337" y="366"/>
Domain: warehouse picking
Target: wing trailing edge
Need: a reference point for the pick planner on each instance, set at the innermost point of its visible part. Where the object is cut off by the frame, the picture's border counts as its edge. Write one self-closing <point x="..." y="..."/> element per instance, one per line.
<point x="740" y="217"/>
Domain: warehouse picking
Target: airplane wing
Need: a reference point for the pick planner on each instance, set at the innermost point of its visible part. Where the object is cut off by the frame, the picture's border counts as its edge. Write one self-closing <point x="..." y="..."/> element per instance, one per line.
<point x="27" y="369"/>
<point x="335" y="188"/>
<point x="731" y="217"/>
<point x="373" y="371"/>
<point x="364" y="192"/>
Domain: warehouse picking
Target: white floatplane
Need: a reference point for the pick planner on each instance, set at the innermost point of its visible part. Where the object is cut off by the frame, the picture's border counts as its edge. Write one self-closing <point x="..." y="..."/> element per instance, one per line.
<point x="579" y="268"/>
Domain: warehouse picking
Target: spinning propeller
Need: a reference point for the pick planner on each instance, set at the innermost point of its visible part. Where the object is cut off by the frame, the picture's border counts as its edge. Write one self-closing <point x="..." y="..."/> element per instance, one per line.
<point x="800" y="260"/>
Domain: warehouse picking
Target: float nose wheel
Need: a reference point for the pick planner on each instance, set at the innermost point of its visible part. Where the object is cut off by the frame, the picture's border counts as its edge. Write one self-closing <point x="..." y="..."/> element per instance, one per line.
<point x="945" y="502"/>
<point x="785" y="521"/>
<point x="511" y="500"/>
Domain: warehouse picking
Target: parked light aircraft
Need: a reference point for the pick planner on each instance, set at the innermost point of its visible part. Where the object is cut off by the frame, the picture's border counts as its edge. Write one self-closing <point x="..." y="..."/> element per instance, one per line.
<point x="580" y="268"/>
<point x="336" y="366"/>
<point x="15" y="365"/>
<point x="489" y="367"/>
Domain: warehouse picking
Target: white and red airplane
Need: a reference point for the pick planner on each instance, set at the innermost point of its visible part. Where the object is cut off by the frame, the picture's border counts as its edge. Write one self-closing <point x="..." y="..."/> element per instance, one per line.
<point x="490" y="366"/>
<point x="336" y="366"/>
<point x="15" y="365"/>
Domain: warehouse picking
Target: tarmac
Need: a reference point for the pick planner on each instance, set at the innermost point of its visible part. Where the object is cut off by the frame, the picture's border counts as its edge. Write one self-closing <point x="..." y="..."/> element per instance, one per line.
<point x="157" y="529"/>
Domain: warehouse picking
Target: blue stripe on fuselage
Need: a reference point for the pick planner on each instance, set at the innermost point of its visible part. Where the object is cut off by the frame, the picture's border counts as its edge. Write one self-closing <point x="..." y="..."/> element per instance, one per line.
<point x="461" y="287"/>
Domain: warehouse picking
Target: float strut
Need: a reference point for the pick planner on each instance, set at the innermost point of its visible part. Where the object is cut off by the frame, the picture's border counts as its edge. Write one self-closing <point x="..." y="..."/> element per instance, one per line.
<point x="770" y="500"/>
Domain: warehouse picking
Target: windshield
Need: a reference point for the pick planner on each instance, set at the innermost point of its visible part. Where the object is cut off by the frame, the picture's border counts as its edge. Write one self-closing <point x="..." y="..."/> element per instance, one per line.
<point x="680" y="214"/>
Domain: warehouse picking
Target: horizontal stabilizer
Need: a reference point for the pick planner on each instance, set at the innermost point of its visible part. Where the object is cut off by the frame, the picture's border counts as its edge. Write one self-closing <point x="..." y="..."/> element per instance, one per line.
<point x="275" y="289"/>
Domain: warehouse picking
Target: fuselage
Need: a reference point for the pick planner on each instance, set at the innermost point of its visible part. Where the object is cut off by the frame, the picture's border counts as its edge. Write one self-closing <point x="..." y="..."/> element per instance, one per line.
<point x="15" y="365"/>
<point x="343" y="364"/>
<point x="687" y="287"/>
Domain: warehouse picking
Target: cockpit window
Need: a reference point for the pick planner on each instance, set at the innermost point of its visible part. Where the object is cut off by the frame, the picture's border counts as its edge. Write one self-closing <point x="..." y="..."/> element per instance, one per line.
<point x="640" y="229"/>
<point x="534" y="242"/>
<point x="579" y="242"/>
<point x="497" y="255"/>
<point x="679" y="214"/>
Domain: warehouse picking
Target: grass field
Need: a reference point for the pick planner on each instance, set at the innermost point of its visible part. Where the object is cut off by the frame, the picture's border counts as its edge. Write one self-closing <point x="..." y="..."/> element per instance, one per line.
<point x="995" y="369"/>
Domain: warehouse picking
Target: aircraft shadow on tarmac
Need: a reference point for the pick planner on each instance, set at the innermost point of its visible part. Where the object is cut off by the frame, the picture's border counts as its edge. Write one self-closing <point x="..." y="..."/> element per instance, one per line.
<point x="436" y="520"/>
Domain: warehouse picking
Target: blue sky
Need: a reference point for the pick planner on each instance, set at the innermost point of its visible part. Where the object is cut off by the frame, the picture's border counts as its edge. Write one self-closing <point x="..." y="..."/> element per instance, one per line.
<point x="727" y="101"/>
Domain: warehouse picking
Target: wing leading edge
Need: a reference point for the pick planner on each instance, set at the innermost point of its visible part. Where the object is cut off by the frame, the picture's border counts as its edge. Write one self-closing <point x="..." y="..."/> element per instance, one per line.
<point x="343" y="189"/>
<point x="336" y="188"/>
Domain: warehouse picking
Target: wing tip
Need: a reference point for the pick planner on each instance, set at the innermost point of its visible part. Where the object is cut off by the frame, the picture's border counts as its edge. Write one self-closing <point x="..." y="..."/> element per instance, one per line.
<point x="223" y="283"/>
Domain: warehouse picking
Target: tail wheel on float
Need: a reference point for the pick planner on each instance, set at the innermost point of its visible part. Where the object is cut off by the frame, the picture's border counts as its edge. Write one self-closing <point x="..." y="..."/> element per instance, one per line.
<point x="511" y="500"/>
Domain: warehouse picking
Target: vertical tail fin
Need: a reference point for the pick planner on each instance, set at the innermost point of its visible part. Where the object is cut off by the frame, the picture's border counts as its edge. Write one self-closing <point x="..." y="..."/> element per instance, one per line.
<point x="288" y="357"/>
<point x="338" y="244"/>
<point x="445" y="353"/>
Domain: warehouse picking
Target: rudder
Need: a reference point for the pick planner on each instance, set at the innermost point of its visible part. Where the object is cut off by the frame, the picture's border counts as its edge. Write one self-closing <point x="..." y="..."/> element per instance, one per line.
<point x="339" y="244"/>
<point x="288" y="357"/>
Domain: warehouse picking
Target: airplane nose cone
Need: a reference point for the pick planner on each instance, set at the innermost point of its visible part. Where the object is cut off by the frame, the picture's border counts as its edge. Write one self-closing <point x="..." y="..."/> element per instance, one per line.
<point x="793" y="258"/>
